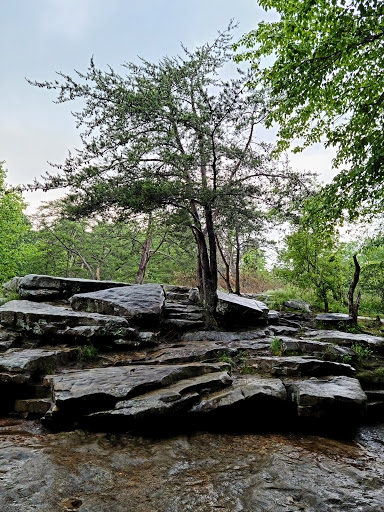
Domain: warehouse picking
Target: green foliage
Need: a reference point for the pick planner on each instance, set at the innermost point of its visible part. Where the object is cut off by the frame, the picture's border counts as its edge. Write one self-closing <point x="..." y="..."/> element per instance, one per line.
<point x="370" y="377"/>
<point x="362" y="352"/>
<point x="11" y="296"/>
<point x="87" y="352"/>
<point x="313" y="259"/>
<point x="171" y="137"/>
<point x="277" y="346"/>
<point x="106" y="247"/>
<point x="14" y="229"/>
<point x="281" y="295"/>
<point x="327" y="82"/>
<point x="330" y="354"/>
<point x="238" y="363"/>
<point x="225" y="358"/>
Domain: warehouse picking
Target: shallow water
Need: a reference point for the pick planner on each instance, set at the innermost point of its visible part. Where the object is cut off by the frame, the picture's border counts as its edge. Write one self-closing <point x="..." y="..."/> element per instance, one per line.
<point x="205" y="472"/>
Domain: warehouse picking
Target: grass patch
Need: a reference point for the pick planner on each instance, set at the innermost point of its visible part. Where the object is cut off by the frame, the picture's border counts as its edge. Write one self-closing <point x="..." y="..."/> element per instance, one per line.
<point x="277" y="346"/>
<point x="87" y="352"/>
<point x="371" y="377"/>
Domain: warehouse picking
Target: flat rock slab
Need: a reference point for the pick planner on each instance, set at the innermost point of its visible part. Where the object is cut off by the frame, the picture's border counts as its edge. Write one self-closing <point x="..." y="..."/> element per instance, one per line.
<point x="282" y="330"/>
<point x="191" y="352"/>
<point x="299" y="366"/>
<point x="311" y="346"/>
<point x="329" y="398"/>
<point x="245" y="390"/>
<point x="235" y="310"/>
<point x="24" y="315"/>
<point x="300" y="305"/>
<point x="141" y="304"/>
<point x="168" y="401"/>
<point x="345" y="338"/>
<point x="333" y="318"/>
<point x="34" y="360"/>
<point x="223" y="336"/>
<point x="98" y="389"/>
<point x="41" y="287"/>
<point x="273" y="316"/>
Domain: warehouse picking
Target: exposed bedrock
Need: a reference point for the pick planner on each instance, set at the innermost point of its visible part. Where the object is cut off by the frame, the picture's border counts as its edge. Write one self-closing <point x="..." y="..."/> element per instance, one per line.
<point x="41" y="287"/>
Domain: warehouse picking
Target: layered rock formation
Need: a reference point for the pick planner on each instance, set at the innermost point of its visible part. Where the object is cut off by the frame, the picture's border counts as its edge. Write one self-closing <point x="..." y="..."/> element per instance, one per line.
<point x="120" y="358"/>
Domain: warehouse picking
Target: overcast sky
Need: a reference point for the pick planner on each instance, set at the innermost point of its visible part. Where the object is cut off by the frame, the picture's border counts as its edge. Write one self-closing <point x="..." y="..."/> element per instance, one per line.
<point x="40" y="37"/>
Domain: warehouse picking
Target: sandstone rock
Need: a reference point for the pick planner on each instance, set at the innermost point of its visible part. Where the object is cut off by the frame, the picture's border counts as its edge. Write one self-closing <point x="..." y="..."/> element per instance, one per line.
<point x="224" y="336"/>
<point x="43" y="319"/>
<point x="33" y="407"/>
<point x="299" y="366"/>
<point x="346" y="338"/>
<point x="312" y="347"/>
<point x="190" y="352"/>
<point x="273" y="316"/>
<point x="80" y="392"/>
<point x="141" y="304"/>
<point x="283" y="330"/>
<point x="34" y="360"/>
<point x="245" y="391"/>
<point x="182" y="315"/>
<point x="41" y="287"/>
<point x="331" y="398"/>
<point x="333" y="319"/>
<point x="172" y="400"/>
<point x="11" y="286"/>
<point x="9" y="339"/>
<point x="301" y="305"/>
<point x="234" y="310"/>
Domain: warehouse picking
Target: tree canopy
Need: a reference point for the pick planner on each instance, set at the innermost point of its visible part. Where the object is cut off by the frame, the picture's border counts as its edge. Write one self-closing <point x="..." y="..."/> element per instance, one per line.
<point x="174" y="136"/>
<point x="14" y="227"/>
<point x="327" y="83"/>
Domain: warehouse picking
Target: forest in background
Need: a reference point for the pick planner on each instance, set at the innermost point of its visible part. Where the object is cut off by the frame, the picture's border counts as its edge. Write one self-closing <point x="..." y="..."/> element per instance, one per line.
<point x="173" y="186"/>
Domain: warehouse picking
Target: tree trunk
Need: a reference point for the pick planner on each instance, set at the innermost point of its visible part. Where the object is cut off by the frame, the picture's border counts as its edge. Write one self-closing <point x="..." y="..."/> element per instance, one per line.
<point x="237" y="272"/>
<point x="143" y="261"/>
<point x="207" y="267"/>
<point x="227" y="268"/>
<point x="353" y="307"/>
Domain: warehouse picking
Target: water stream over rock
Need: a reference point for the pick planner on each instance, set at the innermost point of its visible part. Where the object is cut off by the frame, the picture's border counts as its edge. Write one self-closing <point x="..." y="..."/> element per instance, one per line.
<point x="203" y="471"/>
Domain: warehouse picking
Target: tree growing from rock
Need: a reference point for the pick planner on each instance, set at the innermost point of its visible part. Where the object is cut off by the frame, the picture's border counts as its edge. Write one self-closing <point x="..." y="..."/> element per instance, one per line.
<point x="173" y="136"/>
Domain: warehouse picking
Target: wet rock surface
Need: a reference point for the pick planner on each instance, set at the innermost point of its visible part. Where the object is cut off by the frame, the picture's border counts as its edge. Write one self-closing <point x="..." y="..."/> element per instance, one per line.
<point x="235" y="310"/>
<point x="153" y="372"/>
<point x="45" y="320"/>
<point x="299" y="366"/>
<point x="345" y="338"/>
<point x="333" y="319"/>
<point x="40" y="287"/>
<point x="205" y="395"/>
<point x="202" y="472"/>
<point x="141" y="304"/>
<point x="338" y="398"/>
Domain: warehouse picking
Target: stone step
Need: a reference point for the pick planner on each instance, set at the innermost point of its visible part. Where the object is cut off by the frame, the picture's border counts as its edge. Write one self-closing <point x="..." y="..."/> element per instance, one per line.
<point x="375" y="394"/>
<point x="335" y="399"/>
<point x="177" y="296"/>
<point x="182" y="324"/>
<point x="183" y="316"/>
<point x="172" y="305"/>
<point x="190" y="352"/>
<point x="77" y="393"/>
<point x="33" y="407"/>
<point x="170" y="401"/>
<point x="299" y="366"/>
